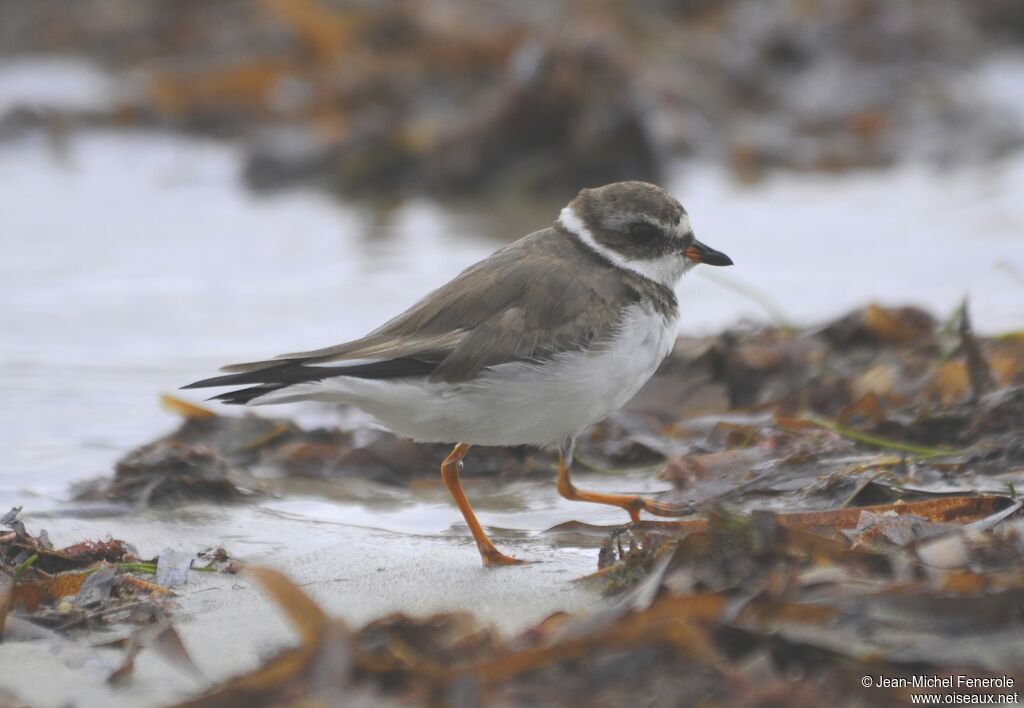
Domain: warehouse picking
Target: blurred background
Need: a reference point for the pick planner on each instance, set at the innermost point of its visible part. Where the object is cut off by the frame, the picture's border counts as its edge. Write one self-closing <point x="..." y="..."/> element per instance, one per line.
<point x="186" y="183"/>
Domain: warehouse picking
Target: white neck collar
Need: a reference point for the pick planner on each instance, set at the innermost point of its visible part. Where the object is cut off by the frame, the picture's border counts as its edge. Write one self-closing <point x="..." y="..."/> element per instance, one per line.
<point x="666" y="270"/>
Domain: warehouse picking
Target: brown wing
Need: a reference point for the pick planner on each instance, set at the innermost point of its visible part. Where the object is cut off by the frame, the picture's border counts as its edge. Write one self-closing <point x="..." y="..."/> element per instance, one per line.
<point x="526" y="302"/>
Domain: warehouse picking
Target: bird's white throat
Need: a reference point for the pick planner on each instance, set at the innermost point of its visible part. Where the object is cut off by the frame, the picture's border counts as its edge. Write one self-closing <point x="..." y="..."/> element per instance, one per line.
<point x="666" y="270"/>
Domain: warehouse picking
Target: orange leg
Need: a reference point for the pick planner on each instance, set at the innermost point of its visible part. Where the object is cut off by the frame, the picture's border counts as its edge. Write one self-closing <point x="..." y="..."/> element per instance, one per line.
<point x="450" y="469"/>
<point x="631" y="503"/>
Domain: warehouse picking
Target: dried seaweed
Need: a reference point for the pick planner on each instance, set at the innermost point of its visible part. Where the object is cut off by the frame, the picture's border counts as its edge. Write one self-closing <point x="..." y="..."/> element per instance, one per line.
<point x="855" y="515"/>
<point x="85" y="585"/>
<point x="740" y="608"/>
<point x="397" y="96"/>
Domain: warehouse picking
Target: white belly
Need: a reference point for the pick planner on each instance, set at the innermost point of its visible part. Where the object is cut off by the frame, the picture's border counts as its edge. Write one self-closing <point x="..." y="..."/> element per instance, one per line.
<point x="516" y="403"/>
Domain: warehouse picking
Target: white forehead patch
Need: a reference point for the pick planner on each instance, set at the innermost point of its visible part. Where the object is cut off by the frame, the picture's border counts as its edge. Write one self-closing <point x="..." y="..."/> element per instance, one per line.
<point x="666" y="270"/>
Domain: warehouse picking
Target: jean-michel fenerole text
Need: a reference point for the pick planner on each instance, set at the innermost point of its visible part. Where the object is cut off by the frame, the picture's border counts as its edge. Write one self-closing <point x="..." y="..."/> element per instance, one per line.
<point x="932" y="681"/>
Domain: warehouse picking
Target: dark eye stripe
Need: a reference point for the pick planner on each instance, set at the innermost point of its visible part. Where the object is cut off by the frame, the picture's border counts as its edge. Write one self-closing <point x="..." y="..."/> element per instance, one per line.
<point x="643" y="232"/>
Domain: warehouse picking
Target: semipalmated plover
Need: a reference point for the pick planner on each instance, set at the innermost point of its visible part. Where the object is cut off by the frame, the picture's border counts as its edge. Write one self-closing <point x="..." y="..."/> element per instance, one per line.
<point x="528" y="347"/>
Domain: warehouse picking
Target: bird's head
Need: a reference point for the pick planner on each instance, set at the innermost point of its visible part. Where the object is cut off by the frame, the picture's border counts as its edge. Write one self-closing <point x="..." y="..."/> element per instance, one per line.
<point x="640" y="227"/>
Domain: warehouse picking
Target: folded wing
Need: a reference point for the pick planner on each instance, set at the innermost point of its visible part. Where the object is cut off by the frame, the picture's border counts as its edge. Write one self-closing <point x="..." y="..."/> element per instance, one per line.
<point x="496" y="311"/>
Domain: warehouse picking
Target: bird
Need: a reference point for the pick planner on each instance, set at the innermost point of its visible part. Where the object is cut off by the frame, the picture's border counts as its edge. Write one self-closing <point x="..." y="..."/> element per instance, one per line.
<point x="530" y="346"/>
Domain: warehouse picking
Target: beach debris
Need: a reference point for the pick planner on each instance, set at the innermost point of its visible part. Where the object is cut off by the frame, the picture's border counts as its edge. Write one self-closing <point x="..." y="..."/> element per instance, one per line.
<point x="96" y="587"/>
<point x="398" y="97"/>
<point x="214" y="458"/>
<point x="761" y="609"/>
<point x="321" y="663"/>
<point x="87" y="584"/>
<point x="217" y="559"/>
<point x="160" y="638"/>
<point x="978" y="371"/>
<point x="167" y="472"/>
<point x="172" y="567"/>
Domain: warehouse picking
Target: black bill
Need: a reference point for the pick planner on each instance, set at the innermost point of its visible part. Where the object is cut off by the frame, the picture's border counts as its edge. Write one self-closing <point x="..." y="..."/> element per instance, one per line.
<point x="699" y="253"/>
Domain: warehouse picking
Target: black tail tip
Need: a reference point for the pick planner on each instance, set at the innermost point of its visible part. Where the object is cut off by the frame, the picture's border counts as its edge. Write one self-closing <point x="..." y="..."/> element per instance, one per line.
<point x="242" y="396"/>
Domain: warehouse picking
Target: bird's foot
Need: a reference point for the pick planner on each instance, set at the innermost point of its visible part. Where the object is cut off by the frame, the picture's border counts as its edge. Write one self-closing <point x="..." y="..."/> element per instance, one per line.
<point x="656" y="508"/>
<point x="493" y="557"/>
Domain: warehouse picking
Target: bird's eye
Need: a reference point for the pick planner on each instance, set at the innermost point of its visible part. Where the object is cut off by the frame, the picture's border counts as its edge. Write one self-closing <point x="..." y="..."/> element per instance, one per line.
<point x="642" y="232"/>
